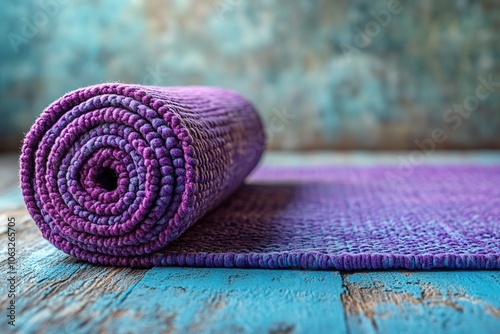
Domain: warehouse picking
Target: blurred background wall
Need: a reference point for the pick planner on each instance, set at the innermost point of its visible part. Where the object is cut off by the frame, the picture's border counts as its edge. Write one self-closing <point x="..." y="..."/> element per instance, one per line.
<point x="323" y="74"/>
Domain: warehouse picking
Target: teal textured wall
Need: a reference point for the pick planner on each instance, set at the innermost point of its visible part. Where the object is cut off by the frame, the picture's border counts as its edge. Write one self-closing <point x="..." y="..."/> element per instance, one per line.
<point x="323" y="74"/>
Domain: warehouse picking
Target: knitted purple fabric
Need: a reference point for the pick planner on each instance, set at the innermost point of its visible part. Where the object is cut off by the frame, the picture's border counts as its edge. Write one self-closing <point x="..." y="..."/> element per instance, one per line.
<point x="115" y="175"/>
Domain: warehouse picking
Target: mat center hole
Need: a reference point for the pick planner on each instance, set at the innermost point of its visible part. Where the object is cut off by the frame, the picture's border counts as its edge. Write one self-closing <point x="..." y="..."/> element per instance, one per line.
<point x="107" y="178"/>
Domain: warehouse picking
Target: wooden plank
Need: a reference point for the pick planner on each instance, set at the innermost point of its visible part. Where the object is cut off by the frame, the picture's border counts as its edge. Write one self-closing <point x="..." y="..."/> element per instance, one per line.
<point x="422" y="302"/>
<point x="194" y="300"/>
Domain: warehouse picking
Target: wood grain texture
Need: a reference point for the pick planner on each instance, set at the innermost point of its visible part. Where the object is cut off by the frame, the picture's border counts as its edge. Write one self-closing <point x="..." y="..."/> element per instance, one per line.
<point x="59" y="294"/>
<point x="437" y="301"/>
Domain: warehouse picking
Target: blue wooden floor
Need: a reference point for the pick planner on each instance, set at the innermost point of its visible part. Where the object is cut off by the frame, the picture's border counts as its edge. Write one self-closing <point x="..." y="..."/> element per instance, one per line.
<point x="58" y="294"/>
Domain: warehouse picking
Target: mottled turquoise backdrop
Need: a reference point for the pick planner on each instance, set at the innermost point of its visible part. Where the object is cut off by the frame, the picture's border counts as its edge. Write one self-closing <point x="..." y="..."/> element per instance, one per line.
<point x="323" y="74"/>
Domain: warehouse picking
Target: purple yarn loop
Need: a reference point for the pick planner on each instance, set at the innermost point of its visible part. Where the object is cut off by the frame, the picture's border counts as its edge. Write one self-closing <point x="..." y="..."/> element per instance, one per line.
<point x="113" y="172"/>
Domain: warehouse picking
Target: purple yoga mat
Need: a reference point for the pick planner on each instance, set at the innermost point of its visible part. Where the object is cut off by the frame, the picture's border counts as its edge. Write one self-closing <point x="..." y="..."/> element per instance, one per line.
<point x="139" y="176"/>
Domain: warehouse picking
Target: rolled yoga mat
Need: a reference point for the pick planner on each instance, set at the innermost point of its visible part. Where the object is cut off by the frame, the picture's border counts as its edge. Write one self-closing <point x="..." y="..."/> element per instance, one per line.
<point x="141" y="176"/>
<point x="112" y="173"/>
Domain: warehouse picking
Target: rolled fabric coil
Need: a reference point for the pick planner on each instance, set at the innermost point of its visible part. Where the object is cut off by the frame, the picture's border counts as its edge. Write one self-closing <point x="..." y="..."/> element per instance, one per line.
<point x="113" y="172"/>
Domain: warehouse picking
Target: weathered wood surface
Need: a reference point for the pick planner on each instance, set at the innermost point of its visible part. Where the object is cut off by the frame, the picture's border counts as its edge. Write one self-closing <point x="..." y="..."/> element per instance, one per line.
<point x="59" y="294"/>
